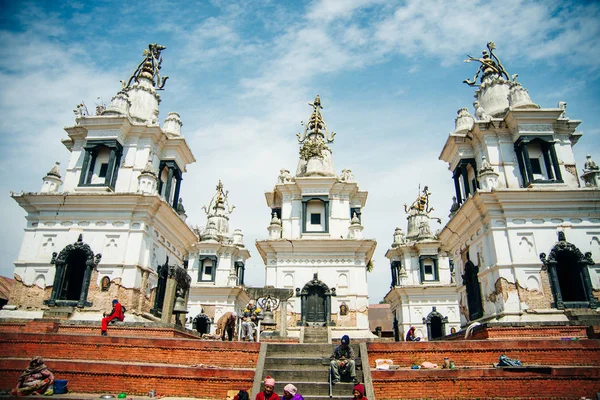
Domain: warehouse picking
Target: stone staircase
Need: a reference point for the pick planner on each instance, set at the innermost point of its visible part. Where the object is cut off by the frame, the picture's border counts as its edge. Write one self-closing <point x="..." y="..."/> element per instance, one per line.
<point x="316" y="335"/>
<point x="306" y="366"/>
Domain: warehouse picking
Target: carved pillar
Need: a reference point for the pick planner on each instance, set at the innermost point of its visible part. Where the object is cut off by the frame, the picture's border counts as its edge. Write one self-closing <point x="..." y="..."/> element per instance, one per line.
<point x="283" y="318"/>
<point x="169" y="301"/>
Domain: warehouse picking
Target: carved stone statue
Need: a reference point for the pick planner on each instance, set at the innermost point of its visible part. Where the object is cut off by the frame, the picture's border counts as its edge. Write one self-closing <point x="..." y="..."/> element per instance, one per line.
<point x="347" y="176"/>
<point x="490" y="64"/>
<point x="285" y="176"/>
<point x="480" y="113"/>
<point x="590" y="165"/>
<point x="563" y="106"/>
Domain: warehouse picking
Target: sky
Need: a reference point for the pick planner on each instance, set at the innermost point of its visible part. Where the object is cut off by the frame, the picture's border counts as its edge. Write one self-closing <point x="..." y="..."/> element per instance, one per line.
<point x="241" y="75"/>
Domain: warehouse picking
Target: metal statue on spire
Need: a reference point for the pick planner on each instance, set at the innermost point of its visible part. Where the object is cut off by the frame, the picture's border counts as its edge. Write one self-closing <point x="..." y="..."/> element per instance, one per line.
<point x="150" y="67"/>
<point x="316" y="124"/>
<point x="219" y="202"/>
<point x="490" y="64"/>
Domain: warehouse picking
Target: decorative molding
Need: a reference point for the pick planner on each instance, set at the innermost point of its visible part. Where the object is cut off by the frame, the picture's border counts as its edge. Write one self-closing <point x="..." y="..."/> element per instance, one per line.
<point x="535" y="128"/>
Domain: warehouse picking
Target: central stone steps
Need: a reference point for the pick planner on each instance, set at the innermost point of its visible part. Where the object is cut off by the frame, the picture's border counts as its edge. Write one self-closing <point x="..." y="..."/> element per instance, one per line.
<point x="306" y="366"/>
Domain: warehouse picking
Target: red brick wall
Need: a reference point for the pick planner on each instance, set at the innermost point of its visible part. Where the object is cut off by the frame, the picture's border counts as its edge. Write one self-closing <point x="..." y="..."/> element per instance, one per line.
<point x="565" y="383"/>
<point x="136" y="379"/>
<point x="486" y="352"/>
<point x="130" y="349"/>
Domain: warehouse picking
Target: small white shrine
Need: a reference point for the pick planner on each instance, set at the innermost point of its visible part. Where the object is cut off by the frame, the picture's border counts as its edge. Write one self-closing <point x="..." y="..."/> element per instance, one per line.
<point x="423" y="291"/>
<point x="104" y="226"/>
<point x="524" y="233"/>
<point x="316" y="245"/>
<point x="217" y="263"/>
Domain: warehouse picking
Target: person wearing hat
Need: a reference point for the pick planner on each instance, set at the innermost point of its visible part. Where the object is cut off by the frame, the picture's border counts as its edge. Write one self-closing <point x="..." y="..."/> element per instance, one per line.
<point x="342" y="361"/>
<point x="251" y="315"/>
<point x="291" y="393"/>
<point x="359" y="392"/>
<point x="116" y="313"/>
<point x="268" y="393"/>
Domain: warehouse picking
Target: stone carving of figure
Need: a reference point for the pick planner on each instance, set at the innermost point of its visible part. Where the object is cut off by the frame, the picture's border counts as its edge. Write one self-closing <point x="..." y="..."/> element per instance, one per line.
<point x="563" y="106"/>
<point x="180" y="209"/>
<point x="399" y="237"/>
<point x="424" y="229"/>
<point x="480" y="112"/>
<point x="455" y="206"/>
<point x="347" y="176"/>
<point x="285" y="176"/>
<point x="100" y="109"/>
<point x="590" y="165"/>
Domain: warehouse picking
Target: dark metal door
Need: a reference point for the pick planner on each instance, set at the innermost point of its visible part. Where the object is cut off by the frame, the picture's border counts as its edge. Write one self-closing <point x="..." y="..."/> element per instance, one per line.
<point x="315" y="305"/>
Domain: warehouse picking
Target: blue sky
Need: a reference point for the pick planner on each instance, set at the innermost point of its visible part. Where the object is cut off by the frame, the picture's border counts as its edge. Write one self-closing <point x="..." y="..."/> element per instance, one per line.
<point x="389" y="74"/>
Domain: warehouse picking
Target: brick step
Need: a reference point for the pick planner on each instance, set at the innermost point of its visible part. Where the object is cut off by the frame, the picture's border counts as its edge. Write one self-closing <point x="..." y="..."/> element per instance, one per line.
<point x="476" y="353"/>
<point x="169" y="350"/>
<point x="525" y="382"/>
<point x="134" y="379"/>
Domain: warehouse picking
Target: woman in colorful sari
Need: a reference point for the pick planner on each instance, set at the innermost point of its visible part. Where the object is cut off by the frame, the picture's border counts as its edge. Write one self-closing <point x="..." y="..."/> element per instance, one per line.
<point x="37" y="379"/>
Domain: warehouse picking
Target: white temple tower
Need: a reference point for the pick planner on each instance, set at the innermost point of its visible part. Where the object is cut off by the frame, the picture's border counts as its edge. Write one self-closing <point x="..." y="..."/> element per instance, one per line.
<point x="518" y="198"/>
<point x="315" y="243"/>
<point x="217" y="264"/>
<point x="113" y="222"/>
<point x="423" y="292"/>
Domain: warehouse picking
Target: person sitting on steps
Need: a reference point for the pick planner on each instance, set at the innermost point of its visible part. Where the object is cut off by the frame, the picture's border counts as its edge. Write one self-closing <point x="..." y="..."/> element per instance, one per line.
<point x="342" y="361"/>
<point x="116" y="313"/>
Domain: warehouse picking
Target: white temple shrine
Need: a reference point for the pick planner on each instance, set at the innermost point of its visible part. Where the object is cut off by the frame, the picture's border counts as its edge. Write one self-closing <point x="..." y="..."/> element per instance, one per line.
<point x="316" y="245"/>
<point x="423" y="291"/>
<point x="105" y="227"/>
<point x="524" y="233"/>
<point x="217" y="263"/>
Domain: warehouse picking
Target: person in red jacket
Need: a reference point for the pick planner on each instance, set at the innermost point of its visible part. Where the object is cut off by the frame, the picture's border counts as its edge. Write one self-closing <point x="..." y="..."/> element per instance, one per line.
<point x="359" y="392"/>
<point x="116" y="313"/>
<point x="268" y="393"/>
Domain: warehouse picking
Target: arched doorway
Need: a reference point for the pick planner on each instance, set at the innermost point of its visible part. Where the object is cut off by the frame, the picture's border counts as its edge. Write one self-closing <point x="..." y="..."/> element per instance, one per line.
<point x="436" y="324"/>
<point x="471" y="281"/>
<point x="316" y="302"/>
<point x="202" y="323"/>
<point x="569" y="275"/>
<point x="73" y="273"/>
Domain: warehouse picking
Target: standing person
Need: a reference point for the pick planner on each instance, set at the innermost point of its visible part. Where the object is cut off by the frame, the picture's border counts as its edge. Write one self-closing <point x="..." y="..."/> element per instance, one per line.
<point x="291" y="393"/>
<point x="359" y="392"/>
<point x="342" y="361"/>
<point x="116" y="313"/>
<point x="36" y="379"/>
<point x="226" y="324"/>
<point x="268" y="393"/>
<point x="251" y="316"/>
<point x="410" y="335"/>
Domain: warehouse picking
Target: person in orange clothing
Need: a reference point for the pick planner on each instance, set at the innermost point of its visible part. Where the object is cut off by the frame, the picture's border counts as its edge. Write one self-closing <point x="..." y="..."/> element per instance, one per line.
<point x="116" y="313"/>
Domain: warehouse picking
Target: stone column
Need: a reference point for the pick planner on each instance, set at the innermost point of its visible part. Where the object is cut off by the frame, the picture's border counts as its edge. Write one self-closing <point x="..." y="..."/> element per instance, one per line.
<point x="283" y="318"/>
<point x="169" y="301"/>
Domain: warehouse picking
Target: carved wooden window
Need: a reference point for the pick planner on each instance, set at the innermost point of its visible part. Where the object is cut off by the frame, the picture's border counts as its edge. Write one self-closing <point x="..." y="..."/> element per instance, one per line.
<point x="101" y="162"/>
<point x="315" y="214"/>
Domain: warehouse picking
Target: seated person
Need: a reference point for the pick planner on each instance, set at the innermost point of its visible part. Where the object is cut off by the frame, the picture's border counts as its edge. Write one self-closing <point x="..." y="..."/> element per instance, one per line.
<point x="116" y="313"/>
<point x="342" y="361"/>
<point x="250" y="316"/>
<point x="410" y="335"/>
<point x="37" y="380"/>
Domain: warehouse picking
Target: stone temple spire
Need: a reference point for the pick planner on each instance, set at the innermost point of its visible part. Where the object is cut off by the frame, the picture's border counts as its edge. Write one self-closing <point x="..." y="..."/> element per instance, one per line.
<point x="497" y="91"/>
<point x="315" y="155"/>
<point x="138" y="96"/>
<point x="218" y="212"/>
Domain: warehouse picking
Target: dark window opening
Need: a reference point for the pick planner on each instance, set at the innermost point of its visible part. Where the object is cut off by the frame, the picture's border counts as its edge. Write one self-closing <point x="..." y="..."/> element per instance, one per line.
<point x="536" y="166"/>
<point x="103" y="170"/>
<point x="208" y="269"/>
<point x="315" y="219"/>
<point x="428" y="269"/>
